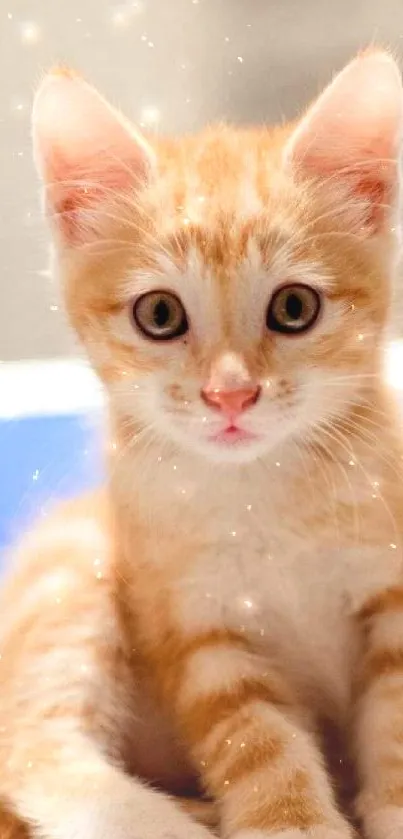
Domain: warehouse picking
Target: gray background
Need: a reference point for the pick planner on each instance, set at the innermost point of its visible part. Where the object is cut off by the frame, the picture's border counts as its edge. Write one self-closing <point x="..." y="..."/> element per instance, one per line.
<point x="170" y="64"/>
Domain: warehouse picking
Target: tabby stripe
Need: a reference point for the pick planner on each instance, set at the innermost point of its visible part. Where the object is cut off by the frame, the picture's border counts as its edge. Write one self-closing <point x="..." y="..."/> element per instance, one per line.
<point x="241" y="759"/>
<point x="390" y="600"/>
<point x="171" y="655"/>
<point x="203" y="713"/>
<point x="378" y="664"/>
<point x="293" y="805"/>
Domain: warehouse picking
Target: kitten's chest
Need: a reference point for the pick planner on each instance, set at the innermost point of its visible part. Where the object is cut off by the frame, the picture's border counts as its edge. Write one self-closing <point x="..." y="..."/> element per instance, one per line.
<point x="293" y="593"/>
<point x="286" y="569"/>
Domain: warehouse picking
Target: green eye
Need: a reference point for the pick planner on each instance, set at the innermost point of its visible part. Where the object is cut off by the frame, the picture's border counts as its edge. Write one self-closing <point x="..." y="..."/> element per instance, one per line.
<point x="293" y="309"/>
<point x="159" y="315"/>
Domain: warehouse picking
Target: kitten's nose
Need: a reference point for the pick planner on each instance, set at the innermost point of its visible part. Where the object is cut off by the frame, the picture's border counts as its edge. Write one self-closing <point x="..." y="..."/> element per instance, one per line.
<point x="231" y="402"/>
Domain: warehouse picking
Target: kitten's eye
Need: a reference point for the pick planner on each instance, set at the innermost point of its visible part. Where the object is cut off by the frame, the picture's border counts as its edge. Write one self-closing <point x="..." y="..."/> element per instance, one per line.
<point x="293" y="309"/>
<point x="160" y="315"/>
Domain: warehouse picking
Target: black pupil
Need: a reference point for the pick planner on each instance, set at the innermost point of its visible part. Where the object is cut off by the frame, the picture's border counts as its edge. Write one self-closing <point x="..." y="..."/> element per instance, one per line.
<point x="161" y="314"/>
<point x="294" y="307"/>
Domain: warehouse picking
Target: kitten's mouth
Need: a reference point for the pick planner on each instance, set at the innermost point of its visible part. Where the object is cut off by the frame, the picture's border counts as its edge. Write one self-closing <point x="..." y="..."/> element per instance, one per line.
<point x="232" y="435"/>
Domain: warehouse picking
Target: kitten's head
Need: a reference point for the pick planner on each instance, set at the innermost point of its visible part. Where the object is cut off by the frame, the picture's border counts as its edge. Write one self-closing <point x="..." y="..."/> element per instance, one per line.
<point x="231" y="288"/>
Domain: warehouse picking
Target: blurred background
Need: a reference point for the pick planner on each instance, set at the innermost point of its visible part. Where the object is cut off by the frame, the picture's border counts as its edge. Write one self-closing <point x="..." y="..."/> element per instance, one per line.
<point x="171" y="65"/>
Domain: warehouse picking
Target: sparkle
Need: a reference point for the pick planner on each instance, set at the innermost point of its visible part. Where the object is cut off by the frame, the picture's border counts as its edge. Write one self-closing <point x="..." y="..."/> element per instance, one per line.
<point x="54" y="308"/>
<point x="249" y="507"/>
<point x="30" y="32"/>
<point x="233" y="532"/>
<point x="240" y="59"/>
<point x="144" y="38"/>
<point x="114" y="446"/>
<point x="9" y="15"/>
<point x="186" y="221"/>
<point x="360" y="336"/>
<point x="242" y="745"/>
<point x="174" y="467"/>
<point x="226" y="783"/>
<point x="35" y="475"/>
<point x="393" y="546"/>
<point x="119" y="18"/>
<point x="183" y="492"/>
<point x="150" y="115"/>
<point x="29" y="764"/>
<point x="228" y="742"/>
<point x="248" y="603"/>
<point x="226" y="39"/>
<point x="150" y="44"/>
<point x="97" y="561"/>
<point x="99" y="575"/>
<point x="351" y="462"/>
<point x="278" y="463"/>
<point x="124" y="13"/>
<point x="159" y="459"/>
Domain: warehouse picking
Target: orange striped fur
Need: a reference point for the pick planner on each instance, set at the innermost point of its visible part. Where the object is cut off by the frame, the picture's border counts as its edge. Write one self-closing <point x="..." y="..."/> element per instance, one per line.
<point x="171" y="645"/>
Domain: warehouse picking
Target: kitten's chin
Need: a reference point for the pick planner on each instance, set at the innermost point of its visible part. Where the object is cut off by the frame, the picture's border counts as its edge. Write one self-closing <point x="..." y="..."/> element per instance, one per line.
<point x="235" y="449"/>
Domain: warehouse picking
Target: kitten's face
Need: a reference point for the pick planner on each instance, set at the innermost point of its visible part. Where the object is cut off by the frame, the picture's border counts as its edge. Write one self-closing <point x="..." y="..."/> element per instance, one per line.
<point x="230" y="334"/>
<point x="231" y="288"/>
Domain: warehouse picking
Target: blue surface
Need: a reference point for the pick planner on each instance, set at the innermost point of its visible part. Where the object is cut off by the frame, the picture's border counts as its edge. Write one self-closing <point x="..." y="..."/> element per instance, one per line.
<point x="43" y="459"/>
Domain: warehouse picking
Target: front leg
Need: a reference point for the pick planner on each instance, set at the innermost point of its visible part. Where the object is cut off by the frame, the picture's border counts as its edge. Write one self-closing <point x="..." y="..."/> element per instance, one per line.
<point x="379" y="716"/>
<point x="255" y="755"/>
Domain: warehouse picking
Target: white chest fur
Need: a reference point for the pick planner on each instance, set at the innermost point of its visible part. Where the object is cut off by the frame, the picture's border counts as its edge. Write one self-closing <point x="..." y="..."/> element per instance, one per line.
<point x="275" y="565"/>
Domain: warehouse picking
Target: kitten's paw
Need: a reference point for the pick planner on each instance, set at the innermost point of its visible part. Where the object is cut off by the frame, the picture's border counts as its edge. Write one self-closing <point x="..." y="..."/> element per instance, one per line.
<point x="138" y="827"/>
<point x="130" y="811"/>
<point x="385" y="823"/>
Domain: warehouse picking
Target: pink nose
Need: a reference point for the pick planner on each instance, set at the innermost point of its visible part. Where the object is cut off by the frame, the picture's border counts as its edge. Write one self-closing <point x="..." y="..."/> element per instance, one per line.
<point x="231" y="402"/>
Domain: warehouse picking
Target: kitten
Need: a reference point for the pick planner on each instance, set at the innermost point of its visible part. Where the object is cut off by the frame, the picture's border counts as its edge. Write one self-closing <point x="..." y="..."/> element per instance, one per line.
<point x="240" y="577"/>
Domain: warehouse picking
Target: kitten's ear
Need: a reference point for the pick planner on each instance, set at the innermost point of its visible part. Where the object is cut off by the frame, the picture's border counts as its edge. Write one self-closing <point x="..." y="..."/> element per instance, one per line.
<point x="86" y="154"/>
<point x="350" y="139"/>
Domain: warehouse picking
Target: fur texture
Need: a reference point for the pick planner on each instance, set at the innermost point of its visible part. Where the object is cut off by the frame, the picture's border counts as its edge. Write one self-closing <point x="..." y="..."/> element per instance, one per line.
<point x="239" y="581"/>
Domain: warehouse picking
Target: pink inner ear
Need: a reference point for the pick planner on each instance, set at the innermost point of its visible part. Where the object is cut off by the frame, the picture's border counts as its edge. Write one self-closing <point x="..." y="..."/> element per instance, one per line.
<point x="352" y="134"/>
<point x="77" y="196"/>
<point x="87" y="154"/>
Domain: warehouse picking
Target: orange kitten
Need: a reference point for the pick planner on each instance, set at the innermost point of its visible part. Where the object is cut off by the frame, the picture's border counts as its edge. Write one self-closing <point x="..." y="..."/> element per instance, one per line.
<point x="240" y="579"/>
